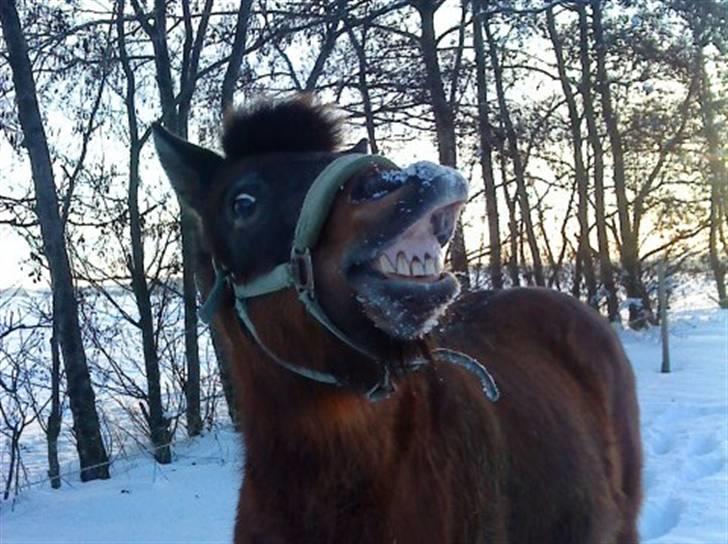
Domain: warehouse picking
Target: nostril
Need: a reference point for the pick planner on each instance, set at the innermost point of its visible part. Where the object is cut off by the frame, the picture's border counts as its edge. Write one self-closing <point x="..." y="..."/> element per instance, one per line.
<point x="443" y="223"/>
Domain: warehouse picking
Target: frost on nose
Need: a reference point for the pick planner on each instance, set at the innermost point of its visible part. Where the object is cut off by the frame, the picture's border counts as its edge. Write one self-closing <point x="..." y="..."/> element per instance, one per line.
<point x="376" y="183"/>
<point x="426" y="172"/>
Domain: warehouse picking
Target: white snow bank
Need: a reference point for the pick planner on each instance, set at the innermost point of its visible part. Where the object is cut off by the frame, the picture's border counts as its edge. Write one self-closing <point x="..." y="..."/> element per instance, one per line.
<point x="192" y="500"/>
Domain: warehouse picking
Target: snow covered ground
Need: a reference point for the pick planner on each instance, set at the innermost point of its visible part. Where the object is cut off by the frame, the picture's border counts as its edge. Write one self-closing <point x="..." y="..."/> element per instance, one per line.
<point x="685" y="432"/>
<point x="684" y="429"/>
<point x="191" y="500"/>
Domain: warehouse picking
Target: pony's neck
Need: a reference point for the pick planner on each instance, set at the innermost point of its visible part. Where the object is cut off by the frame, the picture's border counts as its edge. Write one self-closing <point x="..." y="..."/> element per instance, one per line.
<point x="273" y="400"/>
<point x="291" y="423"/>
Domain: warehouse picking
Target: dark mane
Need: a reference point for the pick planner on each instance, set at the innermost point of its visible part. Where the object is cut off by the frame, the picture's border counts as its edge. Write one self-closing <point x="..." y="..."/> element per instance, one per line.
<point x="299" y="124"/>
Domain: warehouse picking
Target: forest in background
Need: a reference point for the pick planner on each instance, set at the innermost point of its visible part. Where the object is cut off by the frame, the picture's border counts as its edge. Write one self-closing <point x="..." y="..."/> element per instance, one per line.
<point x="593" y="133"/>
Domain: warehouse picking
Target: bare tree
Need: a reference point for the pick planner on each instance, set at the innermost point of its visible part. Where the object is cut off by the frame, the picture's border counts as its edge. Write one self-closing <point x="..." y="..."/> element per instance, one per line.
<point x="606" y="268"/>
<point x="158" y="423"/>
<point x="359" y="46"/>
<point x="175" y="116"/>
<point x="514" y="152"/>
<point x="486" y="151"/>
<point x="639" y="305"/>
<point x="717" y="173"/>
<point x="444" y="114"/>
<point x="237" y="53"/>
<point x="91" y="450"/>
<point x="55" y="417"/>
<point x="584" y="253"/>
<point x="18" y="408"/>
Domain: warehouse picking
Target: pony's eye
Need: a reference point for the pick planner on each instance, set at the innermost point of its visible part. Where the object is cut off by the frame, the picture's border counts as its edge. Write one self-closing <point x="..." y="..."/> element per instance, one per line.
<point x="243" y="206"/>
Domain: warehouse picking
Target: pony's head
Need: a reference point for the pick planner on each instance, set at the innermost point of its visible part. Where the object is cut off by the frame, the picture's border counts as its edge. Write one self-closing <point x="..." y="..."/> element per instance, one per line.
<point x="367" y="237"/>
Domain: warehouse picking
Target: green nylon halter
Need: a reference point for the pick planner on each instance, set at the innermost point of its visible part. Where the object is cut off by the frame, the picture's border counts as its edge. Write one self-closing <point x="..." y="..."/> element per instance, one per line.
<point x="298" y="272"/>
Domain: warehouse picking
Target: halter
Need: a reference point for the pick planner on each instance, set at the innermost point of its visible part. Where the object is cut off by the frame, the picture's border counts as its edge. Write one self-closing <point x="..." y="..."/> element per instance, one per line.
<point x="298" y="272"/>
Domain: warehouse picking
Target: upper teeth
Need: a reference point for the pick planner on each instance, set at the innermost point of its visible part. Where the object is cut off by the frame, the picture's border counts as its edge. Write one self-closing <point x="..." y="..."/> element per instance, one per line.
<point x="417" y="266"/>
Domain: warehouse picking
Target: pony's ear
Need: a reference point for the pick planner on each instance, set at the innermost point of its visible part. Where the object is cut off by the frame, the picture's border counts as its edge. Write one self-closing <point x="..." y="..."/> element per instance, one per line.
<point x="361" y="147"/>
<point x="188" y="167"/>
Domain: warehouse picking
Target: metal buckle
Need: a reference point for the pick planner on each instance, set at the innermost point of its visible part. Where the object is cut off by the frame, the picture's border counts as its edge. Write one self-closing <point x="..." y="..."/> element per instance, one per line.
<point x="302" y="271"/>
<point x="383" y="388"/>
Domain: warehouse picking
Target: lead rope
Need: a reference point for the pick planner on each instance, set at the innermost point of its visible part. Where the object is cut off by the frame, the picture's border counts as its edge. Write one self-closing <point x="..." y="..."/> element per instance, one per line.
<point x="311" y="374"/>
<point x="487" y="383"/>
<point x="381" y="390"/>
<point x="208" y="309"/>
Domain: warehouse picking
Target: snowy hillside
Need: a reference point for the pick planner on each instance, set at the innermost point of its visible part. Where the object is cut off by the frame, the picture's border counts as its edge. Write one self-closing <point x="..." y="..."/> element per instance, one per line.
<point x="685" y="431"/>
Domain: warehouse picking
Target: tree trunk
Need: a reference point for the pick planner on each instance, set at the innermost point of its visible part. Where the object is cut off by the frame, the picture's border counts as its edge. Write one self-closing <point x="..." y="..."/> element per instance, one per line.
<point x="486" y="154"/>
<point x="639" y="305"/>
<point x="175" y="114"/>
<point x="578" y="270"/>
<point x="717" y="178"/>
<point x="158" y="424"/>
<point x="512" y="264"/>
<point x="190" y="245"/>
<point x="197" y="264"/>
<point x="90" y="446"/>
<point x="331" y="35"/>
<point x="188" y="224"/>
<point x="606" y="269"/>
<point x="518" y="170"/>
<point x="363" y="85"/>
<point x="444" y="121"/>
<point x="236" y="55"/>
<point x="11" y="466"/>
<point x="53" y="429"/>
<point x="582" y="182"/>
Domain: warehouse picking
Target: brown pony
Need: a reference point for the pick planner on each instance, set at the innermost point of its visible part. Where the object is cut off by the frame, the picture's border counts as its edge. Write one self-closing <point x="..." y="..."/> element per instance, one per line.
<point x="357" y="429"/>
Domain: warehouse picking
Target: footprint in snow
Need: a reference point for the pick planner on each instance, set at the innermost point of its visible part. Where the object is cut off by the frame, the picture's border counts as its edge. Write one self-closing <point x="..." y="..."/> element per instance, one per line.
<point x="702" y="466"/>
<point x="660" y="517"/>
<point x="660" y="443"/>
<point x="703" y="444"/>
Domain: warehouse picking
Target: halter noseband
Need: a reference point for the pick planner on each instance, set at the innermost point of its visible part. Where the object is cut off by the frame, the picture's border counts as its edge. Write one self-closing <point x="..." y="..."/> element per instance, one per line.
<point x="298" y="273"/>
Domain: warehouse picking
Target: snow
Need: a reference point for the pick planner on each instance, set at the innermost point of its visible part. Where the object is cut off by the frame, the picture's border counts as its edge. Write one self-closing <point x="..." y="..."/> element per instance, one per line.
<point x="684" y="429"/>
<point x="425" y="171"/>
<point x="191" y="500"/>
<point x="684" y="426"/>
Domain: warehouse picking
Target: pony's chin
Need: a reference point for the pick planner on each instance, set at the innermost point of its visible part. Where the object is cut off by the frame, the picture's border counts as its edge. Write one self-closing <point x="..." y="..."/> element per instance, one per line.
<point x="404" y="308"/>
